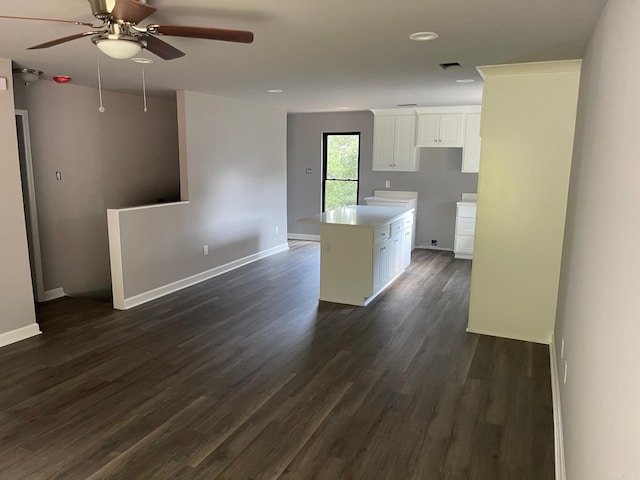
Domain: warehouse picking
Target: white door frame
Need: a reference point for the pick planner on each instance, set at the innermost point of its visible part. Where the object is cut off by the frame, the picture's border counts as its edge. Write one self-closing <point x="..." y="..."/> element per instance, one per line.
<point x="34" y="247"/>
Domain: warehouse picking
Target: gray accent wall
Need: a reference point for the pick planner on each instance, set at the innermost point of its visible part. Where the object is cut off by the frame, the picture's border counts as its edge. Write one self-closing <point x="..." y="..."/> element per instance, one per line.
<point x="16" y="295"/>
<point x="439" y="183"/>
<point x="120" y="158"/>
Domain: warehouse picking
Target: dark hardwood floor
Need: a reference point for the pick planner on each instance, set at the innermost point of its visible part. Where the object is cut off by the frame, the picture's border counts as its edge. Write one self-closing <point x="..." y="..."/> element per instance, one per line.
<point x="247" y="376"/>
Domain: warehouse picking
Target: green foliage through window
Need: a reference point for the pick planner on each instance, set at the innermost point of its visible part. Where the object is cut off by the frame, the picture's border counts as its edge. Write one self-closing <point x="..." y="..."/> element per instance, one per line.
<point x="341" y="159"/>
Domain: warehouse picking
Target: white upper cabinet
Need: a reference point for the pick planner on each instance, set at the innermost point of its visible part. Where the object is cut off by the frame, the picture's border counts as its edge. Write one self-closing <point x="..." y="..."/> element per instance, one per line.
<point x="394" y="142"/>
<point x="398" y="135"/>
<point x="406" y="154"/>
<point x="440" y="130"/>
<point x="471" y="149"/>
<point x="384" y="141"/>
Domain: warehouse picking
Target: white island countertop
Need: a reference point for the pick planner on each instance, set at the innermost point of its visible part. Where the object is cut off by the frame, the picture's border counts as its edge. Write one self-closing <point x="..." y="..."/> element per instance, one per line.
<point x="358" y="216"/>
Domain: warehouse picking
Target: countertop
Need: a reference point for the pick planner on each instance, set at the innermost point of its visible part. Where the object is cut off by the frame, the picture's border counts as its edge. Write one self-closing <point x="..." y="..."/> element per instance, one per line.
<point x="358" y="216"/>
<point x="469" y="198"/>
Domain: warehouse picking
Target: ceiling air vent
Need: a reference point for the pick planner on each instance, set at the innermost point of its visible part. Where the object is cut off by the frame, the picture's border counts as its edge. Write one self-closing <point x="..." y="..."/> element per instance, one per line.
<point x="447" y="66"/>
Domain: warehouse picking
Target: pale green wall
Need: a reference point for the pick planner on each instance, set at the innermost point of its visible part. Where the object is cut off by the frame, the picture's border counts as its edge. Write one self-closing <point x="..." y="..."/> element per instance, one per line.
<point x="528" y="121"/>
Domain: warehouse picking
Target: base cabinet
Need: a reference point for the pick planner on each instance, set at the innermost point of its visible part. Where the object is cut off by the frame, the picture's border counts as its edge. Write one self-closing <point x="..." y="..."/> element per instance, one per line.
<point x="465" y="230"/>
<point x="381" y="265"/>
<point x="407" y="241"/>
<point x="357" y="263"/>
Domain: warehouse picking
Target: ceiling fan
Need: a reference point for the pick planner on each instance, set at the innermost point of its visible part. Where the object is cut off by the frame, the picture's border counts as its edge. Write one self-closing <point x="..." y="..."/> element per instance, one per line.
<point x="120" y="36"/>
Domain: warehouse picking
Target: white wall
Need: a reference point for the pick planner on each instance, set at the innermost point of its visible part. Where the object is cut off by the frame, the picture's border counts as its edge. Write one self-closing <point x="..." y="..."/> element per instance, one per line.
<point x="527" y="128"/>
<point x="598" y="305"/>
<point x="16" y="295"/>
<point x="234" y="156"/>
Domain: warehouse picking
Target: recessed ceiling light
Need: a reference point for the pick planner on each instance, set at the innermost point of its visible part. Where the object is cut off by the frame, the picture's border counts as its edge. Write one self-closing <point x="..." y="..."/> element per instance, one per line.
<point x="465" y="80"/>
<point x="145" y="61"/>
<point x="423" y="36"/>
<point x="275" y="90"/>
<point x="342" y="108"/>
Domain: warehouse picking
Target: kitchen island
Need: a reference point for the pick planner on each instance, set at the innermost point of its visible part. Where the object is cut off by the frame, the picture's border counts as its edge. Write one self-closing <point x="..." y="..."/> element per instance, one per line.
<point x="363" y="250"/>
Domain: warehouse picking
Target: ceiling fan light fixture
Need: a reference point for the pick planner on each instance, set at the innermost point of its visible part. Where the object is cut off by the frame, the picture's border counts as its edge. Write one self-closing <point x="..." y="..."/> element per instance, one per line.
<point x="142" y="60"/>
<point x="120" y="48"/>
<point x="423" y="36"/>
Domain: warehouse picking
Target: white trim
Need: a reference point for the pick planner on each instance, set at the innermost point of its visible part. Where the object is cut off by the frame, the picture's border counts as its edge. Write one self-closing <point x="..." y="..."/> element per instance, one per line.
<point x="544" y="341"/>
<point x="115" y="258"/>
<point x="53" y="294"/>
<point x="194" y="279"/>
<point x="429" y="247"/>
<point x="34" y="231"/>
<point x="18" y="334"/>
<point x="557" y="413"/>
<point x="303" y="236"/>
<point x="153" y="205"/>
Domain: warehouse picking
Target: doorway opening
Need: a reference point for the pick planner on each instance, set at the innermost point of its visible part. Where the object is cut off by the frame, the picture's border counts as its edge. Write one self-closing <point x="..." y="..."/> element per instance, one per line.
<point x="29" y="200"/>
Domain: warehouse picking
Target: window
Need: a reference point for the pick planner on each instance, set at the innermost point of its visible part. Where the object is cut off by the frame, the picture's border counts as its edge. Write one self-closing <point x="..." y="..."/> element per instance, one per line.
<point x="341" y="166"/>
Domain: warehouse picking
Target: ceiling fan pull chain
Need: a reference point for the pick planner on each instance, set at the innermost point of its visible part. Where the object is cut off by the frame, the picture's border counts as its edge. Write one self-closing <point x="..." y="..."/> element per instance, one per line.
<point x="144" y="90"/>
<point x="101" y="108"/>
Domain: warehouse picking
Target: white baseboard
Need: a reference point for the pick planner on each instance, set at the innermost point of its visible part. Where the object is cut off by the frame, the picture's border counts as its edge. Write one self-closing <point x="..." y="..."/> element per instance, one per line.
<point x="429" y="247"/>
<point x="194" y="279"/>
<point x="18" y="334"/>
<point x="544" y="341"/>
<point x="557" y="413"/>
<point x="303" y="236"/>
<point x="53" y="294"/>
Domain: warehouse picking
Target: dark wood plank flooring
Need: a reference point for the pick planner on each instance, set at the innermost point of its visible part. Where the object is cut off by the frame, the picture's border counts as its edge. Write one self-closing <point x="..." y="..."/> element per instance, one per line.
<point x="248" y="376"/>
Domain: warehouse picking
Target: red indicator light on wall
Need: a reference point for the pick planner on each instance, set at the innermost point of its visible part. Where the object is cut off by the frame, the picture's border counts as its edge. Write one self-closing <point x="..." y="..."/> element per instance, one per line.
<point x="61" y="79"/>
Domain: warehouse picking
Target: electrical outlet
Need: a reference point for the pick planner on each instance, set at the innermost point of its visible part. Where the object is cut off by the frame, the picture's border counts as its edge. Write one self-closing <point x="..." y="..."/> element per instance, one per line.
<point x="566" y="367"/>
<point x="309" y="171"/>
<point x="387" y="184"/>
<point x="434" y="243"/>
<point x="562" y="349"/>
<point x="205" y="250"/>
<point x="277" y="229"/>
<point x="58" y="176"/>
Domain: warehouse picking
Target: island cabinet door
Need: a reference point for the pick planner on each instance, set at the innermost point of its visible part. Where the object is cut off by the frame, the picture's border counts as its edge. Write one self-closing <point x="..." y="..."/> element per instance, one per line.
<point x="407" y="240"/>
<point x="396" y="248"/>
<point x="381" y="265"/>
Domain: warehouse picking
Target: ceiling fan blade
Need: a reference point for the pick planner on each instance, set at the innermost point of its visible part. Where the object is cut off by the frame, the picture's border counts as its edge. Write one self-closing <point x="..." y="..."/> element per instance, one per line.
<point x="131" y="11"/>
<point x="51" y="20"/>
<point x="58" y="41"/>
<point x="240" y="36"/>
<point x="162" y="48"/>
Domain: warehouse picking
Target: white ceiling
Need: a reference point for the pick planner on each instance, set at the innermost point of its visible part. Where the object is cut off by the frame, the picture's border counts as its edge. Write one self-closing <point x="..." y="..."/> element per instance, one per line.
<point x="324" y="54"/>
